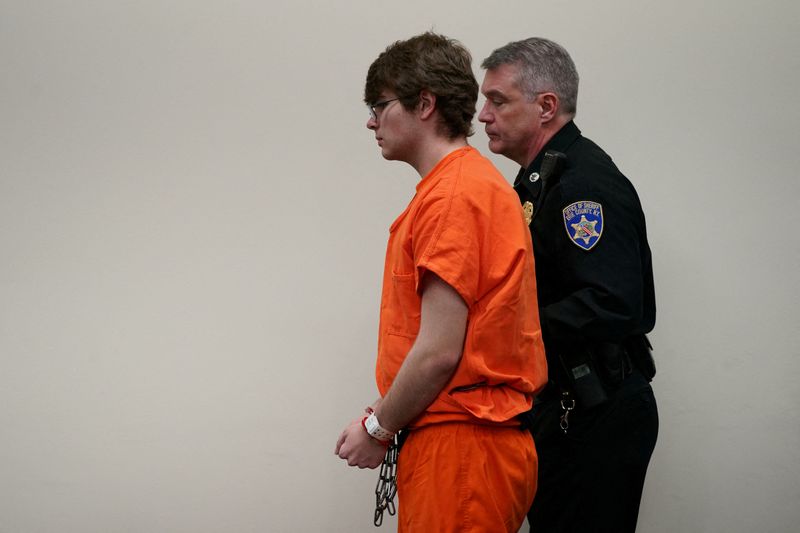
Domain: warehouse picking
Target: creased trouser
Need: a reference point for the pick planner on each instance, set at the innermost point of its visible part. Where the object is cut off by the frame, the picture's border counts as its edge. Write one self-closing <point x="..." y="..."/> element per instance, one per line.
<point x="465" y="477"/>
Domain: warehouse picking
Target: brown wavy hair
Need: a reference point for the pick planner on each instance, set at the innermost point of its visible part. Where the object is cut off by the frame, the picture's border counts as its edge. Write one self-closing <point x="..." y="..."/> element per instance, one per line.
<point x="430" y="62"/>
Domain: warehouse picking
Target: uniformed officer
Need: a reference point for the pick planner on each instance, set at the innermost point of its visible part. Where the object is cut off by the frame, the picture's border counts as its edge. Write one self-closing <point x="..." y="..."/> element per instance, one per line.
<point x="595" y="425"/>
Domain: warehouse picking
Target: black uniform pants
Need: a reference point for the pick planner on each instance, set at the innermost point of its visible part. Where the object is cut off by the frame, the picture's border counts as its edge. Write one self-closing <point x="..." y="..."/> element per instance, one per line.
<point x="591" y="478"/>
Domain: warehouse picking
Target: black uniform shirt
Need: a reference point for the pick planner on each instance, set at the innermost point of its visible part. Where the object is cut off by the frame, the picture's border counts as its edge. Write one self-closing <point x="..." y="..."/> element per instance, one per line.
<point x="605" y="292"/>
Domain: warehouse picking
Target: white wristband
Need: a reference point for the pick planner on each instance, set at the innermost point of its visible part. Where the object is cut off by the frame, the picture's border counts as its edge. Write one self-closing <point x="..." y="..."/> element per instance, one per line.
<point x="375" y="430"/>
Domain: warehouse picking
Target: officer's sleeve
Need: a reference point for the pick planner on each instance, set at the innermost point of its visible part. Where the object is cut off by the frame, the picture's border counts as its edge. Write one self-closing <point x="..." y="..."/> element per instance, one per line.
<point x="604" y="284"/>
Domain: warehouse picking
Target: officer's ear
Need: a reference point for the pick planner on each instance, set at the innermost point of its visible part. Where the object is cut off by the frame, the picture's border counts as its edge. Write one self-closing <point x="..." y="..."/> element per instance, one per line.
<point x="549" y="104"/>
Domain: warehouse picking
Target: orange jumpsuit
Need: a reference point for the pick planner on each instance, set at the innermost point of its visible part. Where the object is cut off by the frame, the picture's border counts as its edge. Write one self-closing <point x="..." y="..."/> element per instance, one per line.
<point x="466" y="466"/>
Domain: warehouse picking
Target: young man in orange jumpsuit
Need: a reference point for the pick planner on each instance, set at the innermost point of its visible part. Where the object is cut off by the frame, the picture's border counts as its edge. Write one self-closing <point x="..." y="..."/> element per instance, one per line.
<point x="460" y="353"/>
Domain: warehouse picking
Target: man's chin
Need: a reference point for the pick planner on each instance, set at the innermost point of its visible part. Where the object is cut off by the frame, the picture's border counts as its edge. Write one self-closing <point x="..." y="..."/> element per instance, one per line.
<point x="388" y="155"/>
<point x="495" y="146"/>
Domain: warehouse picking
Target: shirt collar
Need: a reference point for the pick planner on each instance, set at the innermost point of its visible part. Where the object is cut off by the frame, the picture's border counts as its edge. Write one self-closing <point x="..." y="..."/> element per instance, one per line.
<point x="560" y="142"/>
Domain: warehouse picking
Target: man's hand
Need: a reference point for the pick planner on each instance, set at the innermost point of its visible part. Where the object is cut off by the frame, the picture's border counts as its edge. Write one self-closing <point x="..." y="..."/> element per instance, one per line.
<point x="359" y="449"/>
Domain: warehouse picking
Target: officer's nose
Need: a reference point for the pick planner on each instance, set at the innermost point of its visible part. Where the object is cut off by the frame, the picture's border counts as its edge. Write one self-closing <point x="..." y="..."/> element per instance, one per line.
<point x="484" y="116"/>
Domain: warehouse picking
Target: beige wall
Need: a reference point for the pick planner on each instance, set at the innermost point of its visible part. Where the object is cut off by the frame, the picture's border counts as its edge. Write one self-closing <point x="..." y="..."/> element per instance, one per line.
<point x="192" y="226"/>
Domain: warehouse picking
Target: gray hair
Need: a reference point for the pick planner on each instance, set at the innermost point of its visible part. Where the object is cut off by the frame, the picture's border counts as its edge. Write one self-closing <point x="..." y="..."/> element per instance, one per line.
<point x="543" y="66"/>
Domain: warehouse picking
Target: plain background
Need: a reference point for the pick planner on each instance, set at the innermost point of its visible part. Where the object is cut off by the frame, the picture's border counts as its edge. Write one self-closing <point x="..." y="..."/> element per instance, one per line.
<point x="193" y="220"/>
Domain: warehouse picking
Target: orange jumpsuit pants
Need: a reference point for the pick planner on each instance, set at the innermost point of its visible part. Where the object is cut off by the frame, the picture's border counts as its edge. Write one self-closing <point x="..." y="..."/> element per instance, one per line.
<point x="459" y="477"/>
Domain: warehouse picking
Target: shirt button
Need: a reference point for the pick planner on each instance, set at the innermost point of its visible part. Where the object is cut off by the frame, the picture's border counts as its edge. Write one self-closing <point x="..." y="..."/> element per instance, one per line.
<point x="534" y="177"/>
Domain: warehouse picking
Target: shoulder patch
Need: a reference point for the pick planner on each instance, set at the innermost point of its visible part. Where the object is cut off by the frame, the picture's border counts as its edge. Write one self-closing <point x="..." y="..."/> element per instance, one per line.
<point x="584" y="223"/>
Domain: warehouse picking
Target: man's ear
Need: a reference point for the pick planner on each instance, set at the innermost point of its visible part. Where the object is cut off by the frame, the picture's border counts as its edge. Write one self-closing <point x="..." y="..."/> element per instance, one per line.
<point x="550" y="104"/>
<point x="427" y="104"/>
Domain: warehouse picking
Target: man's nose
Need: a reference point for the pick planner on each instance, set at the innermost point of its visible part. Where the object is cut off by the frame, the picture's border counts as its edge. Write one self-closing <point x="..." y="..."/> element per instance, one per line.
<point x="484" y="115"/>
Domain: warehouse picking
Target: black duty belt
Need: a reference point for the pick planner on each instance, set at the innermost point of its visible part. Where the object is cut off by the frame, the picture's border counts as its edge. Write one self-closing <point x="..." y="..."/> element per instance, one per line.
<point x="590" y="374"/>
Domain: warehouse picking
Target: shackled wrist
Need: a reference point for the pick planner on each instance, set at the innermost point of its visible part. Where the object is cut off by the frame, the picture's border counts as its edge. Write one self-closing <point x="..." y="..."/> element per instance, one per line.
<point x="374" y="429"/>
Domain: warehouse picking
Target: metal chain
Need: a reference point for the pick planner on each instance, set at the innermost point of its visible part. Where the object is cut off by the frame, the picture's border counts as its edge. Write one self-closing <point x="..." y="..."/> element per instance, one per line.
<point x="386" y="489"/>
<point x="567" y="405"/>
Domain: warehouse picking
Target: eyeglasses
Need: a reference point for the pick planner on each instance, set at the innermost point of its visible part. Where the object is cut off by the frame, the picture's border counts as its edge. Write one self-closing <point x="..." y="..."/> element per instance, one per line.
<point x="373" y="109"/>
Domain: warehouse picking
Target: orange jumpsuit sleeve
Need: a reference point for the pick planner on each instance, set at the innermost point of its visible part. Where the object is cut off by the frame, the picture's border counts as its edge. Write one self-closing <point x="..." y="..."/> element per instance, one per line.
<point x="445" y="239"/>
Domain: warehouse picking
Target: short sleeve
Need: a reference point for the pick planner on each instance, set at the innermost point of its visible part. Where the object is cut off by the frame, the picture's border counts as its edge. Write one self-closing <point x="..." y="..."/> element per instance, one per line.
<point x="447" y="239"/>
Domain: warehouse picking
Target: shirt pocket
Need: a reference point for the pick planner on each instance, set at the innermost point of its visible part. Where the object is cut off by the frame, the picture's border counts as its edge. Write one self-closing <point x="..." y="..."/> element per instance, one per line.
<point x="403" y="306"/>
